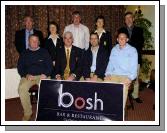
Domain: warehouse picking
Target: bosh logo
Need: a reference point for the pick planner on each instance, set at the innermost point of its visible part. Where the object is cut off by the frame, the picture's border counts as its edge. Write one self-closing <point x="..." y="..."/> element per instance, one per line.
<point x="79" y="102"/>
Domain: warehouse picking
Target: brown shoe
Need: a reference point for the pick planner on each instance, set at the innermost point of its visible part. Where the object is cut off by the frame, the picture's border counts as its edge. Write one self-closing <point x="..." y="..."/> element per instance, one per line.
<point x="26" y="117"/>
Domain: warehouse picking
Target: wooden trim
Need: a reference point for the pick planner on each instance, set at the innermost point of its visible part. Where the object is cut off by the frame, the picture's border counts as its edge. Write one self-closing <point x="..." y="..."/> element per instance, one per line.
<point x="148" y="52"/>
<point x="12" y="99"/>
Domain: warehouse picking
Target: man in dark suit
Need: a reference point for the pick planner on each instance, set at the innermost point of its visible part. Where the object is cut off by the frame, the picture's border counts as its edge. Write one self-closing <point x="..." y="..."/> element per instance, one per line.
<point x="136" y="40"/>
<point x="68" y="66"/>
<point x="95" y="60"/>
<point x="21" y="36"/>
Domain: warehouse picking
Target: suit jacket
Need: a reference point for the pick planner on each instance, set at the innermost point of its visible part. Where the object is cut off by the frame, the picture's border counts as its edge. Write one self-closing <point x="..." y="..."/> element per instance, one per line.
<point x="20" y="39"/>
<point x="101" y="62"/>
<point x="75" y="61"/>
<point x="52" y="49"/>
<point x="136" y="40"/>
<point x="106" y="41"/>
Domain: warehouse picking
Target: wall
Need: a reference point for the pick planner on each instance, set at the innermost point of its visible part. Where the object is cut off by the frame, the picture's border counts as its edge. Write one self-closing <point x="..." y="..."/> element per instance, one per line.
<point x="12" y="80"/>
<point x="14" y="15"/>
<point x="149" y="13"/>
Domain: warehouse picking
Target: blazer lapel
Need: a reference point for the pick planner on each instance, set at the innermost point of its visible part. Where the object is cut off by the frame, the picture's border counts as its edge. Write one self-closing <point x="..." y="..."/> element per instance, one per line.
<point x="72" y="57"/>
<point x="64" y="59"/>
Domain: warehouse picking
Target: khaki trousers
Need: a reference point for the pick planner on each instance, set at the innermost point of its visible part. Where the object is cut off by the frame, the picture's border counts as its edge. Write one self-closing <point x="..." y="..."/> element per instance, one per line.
<point x="120" y="79"/>
<point x="135" y="93"/>
<point x="23" y="89"/>
<point x="91" y="75"/>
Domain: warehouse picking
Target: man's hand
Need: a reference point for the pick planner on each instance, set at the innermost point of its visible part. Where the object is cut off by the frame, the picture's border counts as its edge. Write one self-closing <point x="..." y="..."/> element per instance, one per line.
<point x="108" y="77"/>
<point x="128" y="82"/>
<point x="30" y="77"/>
<point x="87" y="79"/>
<point x="71" y="77"/>
<point x="58" y="77"/>
<point x="43" y="76"/>
<point x="94" y="78"/>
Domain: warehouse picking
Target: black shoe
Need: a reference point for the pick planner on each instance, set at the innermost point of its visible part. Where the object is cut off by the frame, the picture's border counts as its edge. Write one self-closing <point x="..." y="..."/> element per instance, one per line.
<point x="138" y="100"/>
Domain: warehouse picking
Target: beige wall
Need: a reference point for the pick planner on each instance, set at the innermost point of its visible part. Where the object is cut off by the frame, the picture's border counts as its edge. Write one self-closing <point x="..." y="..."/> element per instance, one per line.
<point x="148" y="12"/>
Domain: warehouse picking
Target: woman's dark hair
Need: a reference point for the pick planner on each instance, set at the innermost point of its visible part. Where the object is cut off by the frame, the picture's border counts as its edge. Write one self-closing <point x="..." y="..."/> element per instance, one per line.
<point x="55" y="24"/>
<point x="100" y="17"/>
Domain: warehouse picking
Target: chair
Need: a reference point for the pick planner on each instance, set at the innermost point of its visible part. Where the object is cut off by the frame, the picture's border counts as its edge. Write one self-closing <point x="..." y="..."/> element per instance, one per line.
<point x="34" y="93"/>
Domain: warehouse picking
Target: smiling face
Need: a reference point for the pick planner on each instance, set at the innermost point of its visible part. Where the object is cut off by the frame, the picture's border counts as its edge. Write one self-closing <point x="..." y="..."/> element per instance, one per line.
<point x="94" y="40"/>
<point x="34" y="42"/>
<point x="122" y="39"/>
<point x="28" y="22"/>
<point x="68" y="39"/>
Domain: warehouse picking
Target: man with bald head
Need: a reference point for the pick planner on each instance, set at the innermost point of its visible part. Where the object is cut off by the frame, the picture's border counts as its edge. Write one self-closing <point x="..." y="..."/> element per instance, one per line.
<point x="21" y="36"/>
<point x="68" y="66"/>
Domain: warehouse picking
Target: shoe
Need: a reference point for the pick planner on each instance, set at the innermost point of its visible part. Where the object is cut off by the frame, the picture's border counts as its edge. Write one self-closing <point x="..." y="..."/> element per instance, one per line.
<point x="26" y="117"/>
<point x="138" y="100"/>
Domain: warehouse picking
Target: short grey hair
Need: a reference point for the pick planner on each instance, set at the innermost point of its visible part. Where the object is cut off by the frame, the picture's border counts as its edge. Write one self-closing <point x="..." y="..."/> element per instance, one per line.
<point x="67" y="32"/>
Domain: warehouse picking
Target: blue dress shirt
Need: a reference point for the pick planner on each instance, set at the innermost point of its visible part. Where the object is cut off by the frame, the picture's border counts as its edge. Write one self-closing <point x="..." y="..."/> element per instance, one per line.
<point x="123" y="61"/>
<point x="28" y="33"/>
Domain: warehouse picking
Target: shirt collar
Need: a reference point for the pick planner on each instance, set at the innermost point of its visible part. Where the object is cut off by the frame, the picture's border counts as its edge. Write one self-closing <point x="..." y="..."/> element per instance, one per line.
<point x="67" y="48"/>
<point x="50" y="36"/>
<point x="103" y="31"/>
<point x="130" y="28"/>
<point x="29" y="30"/>
<point x="95" y="48"/>
<point x="34" y="49"/>
<point x="122" y="48"/>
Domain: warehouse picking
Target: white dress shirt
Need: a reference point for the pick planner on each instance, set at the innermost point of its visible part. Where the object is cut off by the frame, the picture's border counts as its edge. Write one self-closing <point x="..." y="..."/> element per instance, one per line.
<point x="54" y="39"/>
<point x="94" y="55"/>
<point x="103" y="31"/>
<point x="80" y="34"/>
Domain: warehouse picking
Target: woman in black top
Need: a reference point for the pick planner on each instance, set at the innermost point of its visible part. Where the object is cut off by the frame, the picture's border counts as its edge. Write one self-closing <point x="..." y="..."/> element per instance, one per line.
<point x="104" y="36"/>
<point x="54" y="41"/>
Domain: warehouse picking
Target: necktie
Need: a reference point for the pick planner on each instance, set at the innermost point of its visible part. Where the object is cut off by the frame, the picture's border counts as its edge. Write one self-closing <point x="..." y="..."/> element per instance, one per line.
<point x="67" y="69"/>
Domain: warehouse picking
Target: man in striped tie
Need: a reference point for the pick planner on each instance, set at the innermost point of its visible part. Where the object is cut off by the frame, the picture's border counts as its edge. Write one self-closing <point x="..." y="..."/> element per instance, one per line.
<point x="68" y="60"/>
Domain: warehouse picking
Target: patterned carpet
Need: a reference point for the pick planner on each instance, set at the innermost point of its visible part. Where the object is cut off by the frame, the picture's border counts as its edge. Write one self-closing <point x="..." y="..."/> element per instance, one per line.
<point x="142" y="111"/>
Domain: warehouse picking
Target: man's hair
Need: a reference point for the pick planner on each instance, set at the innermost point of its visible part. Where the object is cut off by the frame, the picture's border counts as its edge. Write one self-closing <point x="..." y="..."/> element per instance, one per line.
<point x="128" y="13"/>
<point x="67" y="32"/>
<point x="93" y="33"/>
<point x="100" y="17"/>
<point x="33" y="35"/>
<point x="76" y="13"/>
<point x="124" y="31"/>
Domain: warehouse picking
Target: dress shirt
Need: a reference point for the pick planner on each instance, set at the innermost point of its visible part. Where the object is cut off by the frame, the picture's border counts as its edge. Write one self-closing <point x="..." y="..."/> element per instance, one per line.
<point x="28" y="33"/>
<point x="54" y="39"/>
<point x="123" y="61"/>
<point x="69" y="50"/>
<point x="94" y="55"/>
<point x="80" y="34"/>
<point x="103" y="31"/>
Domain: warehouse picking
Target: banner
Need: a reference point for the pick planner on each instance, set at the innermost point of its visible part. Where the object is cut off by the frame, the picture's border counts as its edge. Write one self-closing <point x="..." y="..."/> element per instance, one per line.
<point x="79" y="101"/>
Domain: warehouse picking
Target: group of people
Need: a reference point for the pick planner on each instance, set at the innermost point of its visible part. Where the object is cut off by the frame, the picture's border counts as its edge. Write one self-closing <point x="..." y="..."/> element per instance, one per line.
<point x="78" y="55"/>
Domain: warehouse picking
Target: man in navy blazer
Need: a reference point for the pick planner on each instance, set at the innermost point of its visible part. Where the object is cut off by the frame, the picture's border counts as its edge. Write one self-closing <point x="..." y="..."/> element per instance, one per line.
<point x="21" y="36"/>
<point x="75" y="56"/>
<point x="95" y="60"/>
